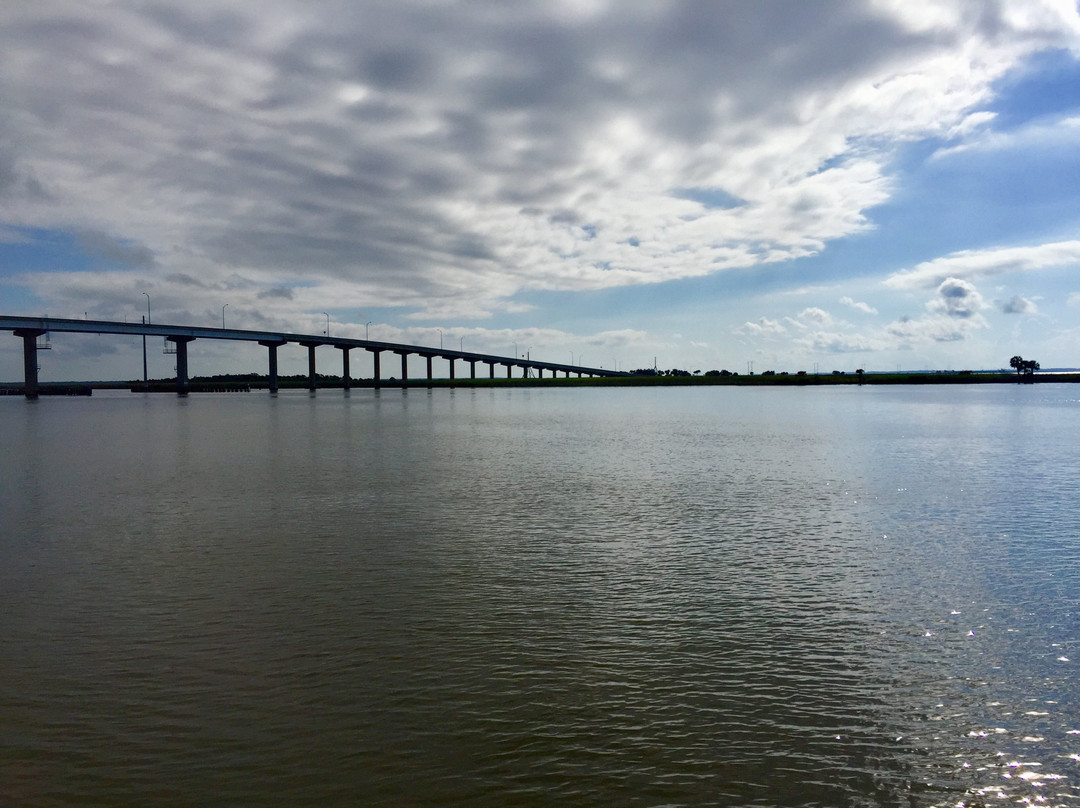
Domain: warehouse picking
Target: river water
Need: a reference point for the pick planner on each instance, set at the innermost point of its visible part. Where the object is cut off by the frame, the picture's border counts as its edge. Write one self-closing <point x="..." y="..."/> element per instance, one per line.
<point x="834" y="596"/>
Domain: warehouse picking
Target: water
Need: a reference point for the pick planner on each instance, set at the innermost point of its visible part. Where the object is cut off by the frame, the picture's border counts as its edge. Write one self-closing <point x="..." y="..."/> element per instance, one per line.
<point x="697" y="596"/>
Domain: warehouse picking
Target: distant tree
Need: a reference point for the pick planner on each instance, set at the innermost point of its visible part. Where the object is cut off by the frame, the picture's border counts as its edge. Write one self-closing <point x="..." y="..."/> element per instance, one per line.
<point x="1023" y="367"/>
<point x="712" y="372"/>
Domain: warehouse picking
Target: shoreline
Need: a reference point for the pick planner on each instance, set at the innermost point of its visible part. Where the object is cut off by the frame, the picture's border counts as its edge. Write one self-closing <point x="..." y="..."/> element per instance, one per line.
<point x="247" y="383"/>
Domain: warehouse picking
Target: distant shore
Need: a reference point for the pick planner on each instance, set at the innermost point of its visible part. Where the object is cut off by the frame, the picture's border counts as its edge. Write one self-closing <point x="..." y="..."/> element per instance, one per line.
<point x="248" y="382"/>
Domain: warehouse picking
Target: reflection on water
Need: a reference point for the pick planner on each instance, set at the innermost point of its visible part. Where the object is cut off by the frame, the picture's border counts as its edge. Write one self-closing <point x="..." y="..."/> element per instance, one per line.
<point x="515" y="597"/>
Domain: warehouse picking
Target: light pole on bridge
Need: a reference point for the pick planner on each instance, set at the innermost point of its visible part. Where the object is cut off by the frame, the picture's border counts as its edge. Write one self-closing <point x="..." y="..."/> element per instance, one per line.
<point x="145" y="377"/>
<point x="223" y="315"/>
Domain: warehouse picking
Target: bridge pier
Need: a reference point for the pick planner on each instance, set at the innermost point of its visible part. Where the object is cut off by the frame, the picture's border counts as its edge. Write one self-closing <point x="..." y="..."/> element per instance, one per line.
<point x="472" y="368"/>
<point x="451" y="361"/>
<point x="404" y="366"/>
<point x="509" y="369"/>
<point x="311" y="345"/>
<point x="345" y="380"/>
<point x="430" y="376"/>
<point x="272" y="378"/>
<point x="375" y="361"/>
<point x="491" y="370"/>
<point x="30" y="366"/>
<point x="181" y="343"/>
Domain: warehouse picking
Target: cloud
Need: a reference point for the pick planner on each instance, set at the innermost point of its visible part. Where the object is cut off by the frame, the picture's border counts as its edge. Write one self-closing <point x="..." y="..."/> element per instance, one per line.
<point x="908" y="332"/>
<point x="865" y="308"/>
<point x="816" y="317"/>
<point x="975" y="264"/>
<point x="444" y="158"/>
<point x="839" y="343"/>
<point x="957" y="298"/>
<point x="1018" y="305"/>
<point x="283" y="292"/>
<point x="763" y="327"/>
<point x="114" y="250"/>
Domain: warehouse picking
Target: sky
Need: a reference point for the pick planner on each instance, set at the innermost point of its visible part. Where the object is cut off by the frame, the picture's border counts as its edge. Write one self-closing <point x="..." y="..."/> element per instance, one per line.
<point x="883" y="184"/>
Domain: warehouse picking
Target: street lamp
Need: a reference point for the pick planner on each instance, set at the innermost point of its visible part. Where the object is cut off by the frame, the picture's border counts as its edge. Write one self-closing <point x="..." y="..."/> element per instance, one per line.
<point x="440" y="337"/>
<point x="366" y="325"/>
<point x="327" y="324"/>
<point x="223" y="315"/>
<point x="461" y="344"/>
<point x="145" y="378"/>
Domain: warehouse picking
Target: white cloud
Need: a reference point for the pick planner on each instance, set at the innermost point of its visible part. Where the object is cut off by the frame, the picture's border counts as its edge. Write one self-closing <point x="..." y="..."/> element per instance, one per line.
<point x="815" y="317"/>
<point x="975" y="264"/>
<point x="835" y="342"/>
<point x="443" y="158"/>
<point x="908" y="332"/>
<point x="763" y="327"/>
<point x="956" y="298"/>
<point x="865" y="308"/>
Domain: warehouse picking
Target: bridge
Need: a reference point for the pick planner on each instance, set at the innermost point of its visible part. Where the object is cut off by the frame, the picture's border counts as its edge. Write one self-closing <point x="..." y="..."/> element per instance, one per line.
<point x="30" y="329"/>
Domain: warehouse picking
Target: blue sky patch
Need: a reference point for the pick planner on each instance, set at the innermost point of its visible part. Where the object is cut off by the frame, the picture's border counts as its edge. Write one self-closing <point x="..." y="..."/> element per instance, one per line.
<point x="711" y="198"/>
<point x="1047" y="86"/>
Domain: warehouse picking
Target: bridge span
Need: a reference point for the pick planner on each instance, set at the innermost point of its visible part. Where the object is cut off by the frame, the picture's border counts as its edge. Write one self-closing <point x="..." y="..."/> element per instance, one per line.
<point x="30" y="329"/>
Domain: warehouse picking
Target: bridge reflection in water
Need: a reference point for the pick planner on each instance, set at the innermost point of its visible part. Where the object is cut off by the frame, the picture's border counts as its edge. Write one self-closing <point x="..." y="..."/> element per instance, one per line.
<point x="30" y="329"/>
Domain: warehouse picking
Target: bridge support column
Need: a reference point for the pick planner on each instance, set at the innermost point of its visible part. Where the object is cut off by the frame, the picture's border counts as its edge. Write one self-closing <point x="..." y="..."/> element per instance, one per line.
<point x="451" y="369"/>
<point x="429" y="373"/>
<point x="272" y="378"/>
<point x="30" y="366"/>
<point x="524" y="371"/>
<point x="375" y="361"/>
<point x="472" y="368"/>
<point x="311" y="345"/>
<point x="491" y="370"/>
<point x="509" y="370"/>
<point x="181" y="343"/>
<point x="346" y="382"/>
<point x="404" y="366"/>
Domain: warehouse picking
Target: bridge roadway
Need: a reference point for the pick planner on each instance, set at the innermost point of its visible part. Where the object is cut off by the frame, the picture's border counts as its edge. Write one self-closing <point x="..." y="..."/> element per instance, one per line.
<point x="31" y="328"/>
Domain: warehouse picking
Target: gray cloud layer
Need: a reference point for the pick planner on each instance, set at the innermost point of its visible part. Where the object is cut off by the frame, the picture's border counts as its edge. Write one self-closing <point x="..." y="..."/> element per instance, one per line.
<point x="445" y="156"/>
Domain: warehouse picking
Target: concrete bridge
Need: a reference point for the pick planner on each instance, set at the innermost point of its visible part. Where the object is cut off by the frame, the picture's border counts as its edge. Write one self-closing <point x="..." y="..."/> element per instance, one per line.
<point x="30" y="329"/>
